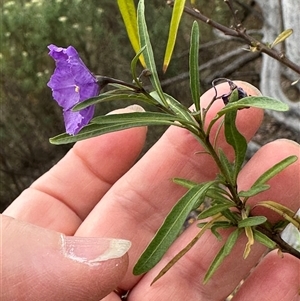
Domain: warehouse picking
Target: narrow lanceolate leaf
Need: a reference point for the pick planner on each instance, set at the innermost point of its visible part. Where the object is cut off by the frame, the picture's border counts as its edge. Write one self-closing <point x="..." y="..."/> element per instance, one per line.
<point x="193" y="65"/>
<point x="254" y="190"/>
<point x="148" y="52"/>
<point x="225" y="251"/>
<point x="282" y="37"/>
<point x="236" y="140"/>
<point x="252" y="221"/>
<point x="274" y="170"/>
<point x="215" y="210"/>
<point x="185" y="183"/>
<point x="231" y="216"/>
<point x="128" y="12"/>
<point x="115" y="95"/>
<point x="178" y="108"/>
<point x="227" y="166"/>
<point x="217" y="192"/>
<point x="170" y="229"/>
<point x="133" y="67"/>
<point x="262" y="102"/>
<point x="264" y="239"/>
<point x="116" y="122"/>
<point x="136" y="117"/>
<point x="176" y="17"/>
<point x="222" y="225"/>
<point x="285" y="212"/>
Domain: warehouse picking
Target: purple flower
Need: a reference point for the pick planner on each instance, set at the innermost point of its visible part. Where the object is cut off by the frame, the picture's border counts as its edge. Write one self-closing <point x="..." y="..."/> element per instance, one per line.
<point x="71" y="83"/>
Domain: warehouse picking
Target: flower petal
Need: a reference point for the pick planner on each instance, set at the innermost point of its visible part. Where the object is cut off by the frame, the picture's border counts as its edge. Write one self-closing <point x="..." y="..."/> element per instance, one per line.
<point x="75" y="121"/>
<point x="72" y="82"/>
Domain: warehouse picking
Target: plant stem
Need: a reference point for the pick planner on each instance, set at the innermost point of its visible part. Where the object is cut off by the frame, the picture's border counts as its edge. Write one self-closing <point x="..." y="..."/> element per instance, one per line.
<point x="282" y="245"/>
<point x="105" y="80"/>
<point x="240" y="32"/>
<point x="204" y="138"/>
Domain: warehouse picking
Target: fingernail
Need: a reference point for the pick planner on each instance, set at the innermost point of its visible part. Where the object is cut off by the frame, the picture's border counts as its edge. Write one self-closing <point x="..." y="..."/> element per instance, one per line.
<point x="92" y="251"/>
<point x="250" y="89"/>
<point x="289" y="141"/>
<point x="135" y="108"/>
<point x="291" y="234"/>
<point x="129" y="109"/>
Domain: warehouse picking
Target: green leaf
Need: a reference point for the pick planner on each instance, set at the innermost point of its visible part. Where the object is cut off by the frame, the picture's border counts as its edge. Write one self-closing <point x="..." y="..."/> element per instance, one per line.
<point x="274" y="170"/>
<point x="228" y="166"/>
<point x="148" y="52"/>
<point x="185" y="183"/>
<point x="176" y="17"/>
<point x="169" y="230"/>
<point x="146" y="118"/>
<point x="236" y="140"/>
<point x="116" y="122"/>
<point x="178" y="108"/>
<point x="214" y="225"/>
<point x="254" y="190"/>
<point x="234" y="97"/>
<point x="215" y="210"/>
<point x="252" y="221"/>
<point x="279" y="226"/>
<point x="111" y="96"/>
<point x="133" y="67"/>
<point x="231" y="216"/>
<point x="128" y="12"/>
<point x="263" y="239"/>
<point x="262" y="102"/>
<point x="225" y="251"/>
<point x="193" y="65"/>
<point x="220" y="224"/>
<point x="218" y="193"/>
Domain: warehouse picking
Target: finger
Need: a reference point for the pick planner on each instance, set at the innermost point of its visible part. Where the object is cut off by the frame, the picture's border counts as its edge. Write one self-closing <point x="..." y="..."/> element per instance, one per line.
<point x="189" y="271"/>
<point x="285" y="192"/>
<point x="140" y="200"/>
<point x="275" y="278"/>
<point x="41" y="264"/>
<point x="64" y="196"/>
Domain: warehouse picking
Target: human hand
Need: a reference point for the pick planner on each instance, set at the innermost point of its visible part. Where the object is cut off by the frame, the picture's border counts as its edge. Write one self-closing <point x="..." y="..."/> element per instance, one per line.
<point x="96" y="191"/>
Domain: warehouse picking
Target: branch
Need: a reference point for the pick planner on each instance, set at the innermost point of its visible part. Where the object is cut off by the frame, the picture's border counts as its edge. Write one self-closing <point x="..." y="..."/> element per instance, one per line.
<point x="236" y="63"/>
<point x="240" y="32"/>
<point x="282" y="245"/>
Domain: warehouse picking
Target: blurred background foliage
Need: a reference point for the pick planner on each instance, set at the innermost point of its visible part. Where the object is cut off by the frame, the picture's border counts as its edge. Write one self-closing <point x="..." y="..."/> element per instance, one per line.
<point x="29" y="115"/>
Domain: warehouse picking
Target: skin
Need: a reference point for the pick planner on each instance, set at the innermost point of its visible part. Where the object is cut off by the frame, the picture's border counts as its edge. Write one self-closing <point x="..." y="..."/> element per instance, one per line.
<point x="97" y="190"/>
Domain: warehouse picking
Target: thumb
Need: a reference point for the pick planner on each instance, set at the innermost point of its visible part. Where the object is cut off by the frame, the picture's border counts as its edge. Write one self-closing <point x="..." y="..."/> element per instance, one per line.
<point x="40" y="264"/>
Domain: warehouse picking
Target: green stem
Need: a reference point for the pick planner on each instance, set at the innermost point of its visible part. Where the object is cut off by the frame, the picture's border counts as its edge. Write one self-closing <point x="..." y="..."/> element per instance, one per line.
<point x="232" y="187"/>
<point x="105" y="80"/>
